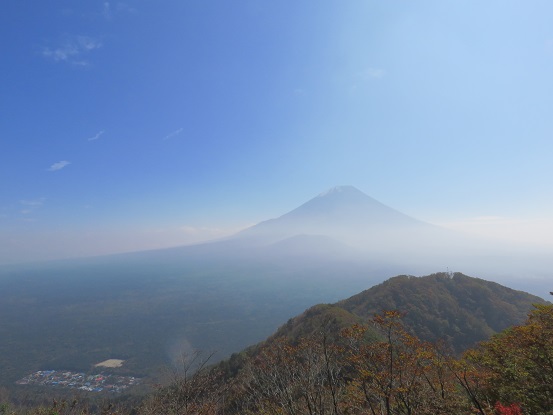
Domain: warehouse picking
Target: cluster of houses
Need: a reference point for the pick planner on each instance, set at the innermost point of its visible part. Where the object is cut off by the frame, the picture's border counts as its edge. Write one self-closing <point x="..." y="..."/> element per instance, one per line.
<point x="74" y="380"/>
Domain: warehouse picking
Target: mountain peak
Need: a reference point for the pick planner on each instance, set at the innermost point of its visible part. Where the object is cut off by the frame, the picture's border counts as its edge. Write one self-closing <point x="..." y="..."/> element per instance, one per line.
<point x="343" y="213"/>
<point x="340" y="189"/>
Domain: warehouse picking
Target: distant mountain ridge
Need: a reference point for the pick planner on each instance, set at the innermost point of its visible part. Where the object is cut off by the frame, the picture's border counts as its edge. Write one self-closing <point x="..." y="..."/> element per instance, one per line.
<point x="344" y="224"/>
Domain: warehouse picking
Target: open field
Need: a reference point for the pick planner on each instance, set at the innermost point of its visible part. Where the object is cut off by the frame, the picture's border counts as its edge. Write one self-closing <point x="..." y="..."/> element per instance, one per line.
<point x="110" y="363"/>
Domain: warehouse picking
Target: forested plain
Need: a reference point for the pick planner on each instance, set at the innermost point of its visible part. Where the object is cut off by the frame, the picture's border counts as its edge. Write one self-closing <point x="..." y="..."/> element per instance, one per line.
<point x="72" y="315"/>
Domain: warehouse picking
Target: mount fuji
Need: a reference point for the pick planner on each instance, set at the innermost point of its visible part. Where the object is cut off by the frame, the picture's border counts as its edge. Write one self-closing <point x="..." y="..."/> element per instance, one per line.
<point x="342" y="212"/>
<point x="345" y="220"/>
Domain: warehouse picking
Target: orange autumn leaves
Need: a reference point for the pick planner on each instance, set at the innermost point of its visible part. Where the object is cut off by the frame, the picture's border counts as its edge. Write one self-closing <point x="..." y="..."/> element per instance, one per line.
<point x="378" y="368"/>
<point x="511" y="374"/>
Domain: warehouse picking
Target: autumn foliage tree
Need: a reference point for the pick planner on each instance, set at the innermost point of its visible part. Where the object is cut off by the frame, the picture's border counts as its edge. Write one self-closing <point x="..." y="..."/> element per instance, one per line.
<point x="293" y="379"/>
<point x="378" y="368"/>
<point x="399" y="374"/>
<point x="195" y="389"/>
<point x="518" y="364"/>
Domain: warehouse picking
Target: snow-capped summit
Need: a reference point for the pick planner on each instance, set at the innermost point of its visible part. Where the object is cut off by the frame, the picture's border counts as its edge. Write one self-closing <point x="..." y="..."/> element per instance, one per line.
<point x="346" y="214"/>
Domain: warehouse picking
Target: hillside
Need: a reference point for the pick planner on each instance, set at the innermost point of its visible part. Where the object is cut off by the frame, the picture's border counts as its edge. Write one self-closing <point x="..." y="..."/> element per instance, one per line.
<point x="343" y="358"/>
<point x="456" y="308"/>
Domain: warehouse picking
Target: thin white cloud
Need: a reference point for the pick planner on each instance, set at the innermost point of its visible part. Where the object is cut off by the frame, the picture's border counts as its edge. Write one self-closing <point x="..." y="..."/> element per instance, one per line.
<point x="197" y="230"/>
<point x="62" y="53"/>
<point x="363" y="78"/>
<point x="34" y="202"/>
<point x="124" y="7"/>
<point x="534" y="231"/>
<point x="72" y="50"/>
<point x="97" y="136"/>
<point x="373" y="73"/>
<point x="30" y="205"/>
<point x="59" y="165"/>
<point x="173" y="134"/>
<point x="549" y="46"/>
<point x="204" y="233"/>
<point x="106" y="10"/>
<point x="111" y="10"/>
<point x="88" y="43"/>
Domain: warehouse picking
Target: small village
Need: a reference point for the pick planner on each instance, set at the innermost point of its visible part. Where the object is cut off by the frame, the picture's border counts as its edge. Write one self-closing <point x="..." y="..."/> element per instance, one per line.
<point x="76" y="380"/>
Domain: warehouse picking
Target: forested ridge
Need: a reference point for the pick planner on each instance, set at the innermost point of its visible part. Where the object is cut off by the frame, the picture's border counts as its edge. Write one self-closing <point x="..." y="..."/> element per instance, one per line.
<point x="330" y="360"/>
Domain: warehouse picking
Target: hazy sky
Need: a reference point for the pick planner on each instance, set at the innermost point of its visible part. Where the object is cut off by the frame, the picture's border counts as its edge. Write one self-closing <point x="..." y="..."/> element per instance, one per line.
<point x="128" y="125"/>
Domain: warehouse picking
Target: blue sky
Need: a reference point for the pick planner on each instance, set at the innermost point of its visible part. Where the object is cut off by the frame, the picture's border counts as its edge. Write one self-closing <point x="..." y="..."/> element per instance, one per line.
<point x="144" y="124"/>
